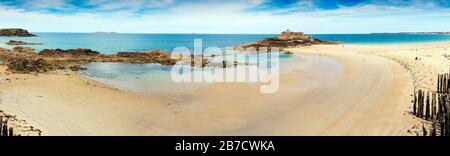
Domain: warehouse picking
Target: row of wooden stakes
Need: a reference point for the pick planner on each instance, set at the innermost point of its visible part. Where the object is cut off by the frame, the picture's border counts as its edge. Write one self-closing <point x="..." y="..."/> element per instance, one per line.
<point x="443" y="84"/>
<point x="4" y="130"/>
<point x="434" y="107"/>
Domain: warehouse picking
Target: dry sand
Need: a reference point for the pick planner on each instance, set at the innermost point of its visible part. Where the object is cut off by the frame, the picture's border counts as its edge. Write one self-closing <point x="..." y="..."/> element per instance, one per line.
<point x="371" y="97"/>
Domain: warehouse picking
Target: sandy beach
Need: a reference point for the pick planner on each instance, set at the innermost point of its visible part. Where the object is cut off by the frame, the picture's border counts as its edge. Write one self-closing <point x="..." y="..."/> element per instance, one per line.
<point x="372" y="96"/>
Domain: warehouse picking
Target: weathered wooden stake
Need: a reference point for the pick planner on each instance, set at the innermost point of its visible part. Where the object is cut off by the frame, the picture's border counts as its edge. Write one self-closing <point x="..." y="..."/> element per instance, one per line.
<point x="433" y="129"/>
<point x="427" y="107"/>
<point x="442" y="114"/>
<point x="448" y="83"/>
<point x="433" y="106"/>
<point x="415" y="103"/>
<point x="440" y="83"/>
<point x="447" y="118"/>
<point x="5" y="130"/>
<point x="11" y="132"/>
<point x="419" y="97"/>
<point x="422" y="102"/>
<point x="1" y="125"/>
<point x="424" y="130"/>
<point x="445" y="83"/>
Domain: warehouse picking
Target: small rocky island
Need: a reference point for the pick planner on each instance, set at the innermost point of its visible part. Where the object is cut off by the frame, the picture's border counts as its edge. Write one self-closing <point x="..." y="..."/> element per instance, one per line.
<point x="287" y="39"/>
<point x="14" y="42"/>
<point x="15" y="32"/>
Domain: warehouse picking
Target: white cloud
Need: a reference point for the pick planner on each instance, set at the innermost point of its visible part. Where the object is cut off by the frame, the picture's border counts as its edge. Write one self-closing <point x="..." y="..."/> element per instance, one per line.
<point x="45" y="4"/>
<point x="231" y="17"/>
<point x="129" y="4"/>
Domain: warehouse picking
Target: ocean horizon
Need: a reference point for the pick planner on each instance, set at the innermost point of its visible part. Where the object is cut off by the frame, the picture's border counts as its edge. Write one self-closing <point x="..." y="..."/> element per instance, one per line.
<point x="127" y="42"/>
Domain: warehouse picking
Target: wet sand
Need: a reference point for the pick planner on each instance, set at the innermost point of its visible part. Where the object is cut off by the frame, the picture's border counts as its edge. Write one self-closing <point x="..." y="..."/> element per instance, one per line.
<point x="370" y="97"/>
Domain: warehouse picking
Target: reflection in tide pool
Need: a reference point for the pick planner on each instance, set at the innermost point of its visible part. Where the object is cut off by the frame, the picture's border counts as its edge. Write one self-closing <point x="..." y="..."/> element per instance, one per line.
<point x="157" y="78"/>
<point x="128" y="76"/>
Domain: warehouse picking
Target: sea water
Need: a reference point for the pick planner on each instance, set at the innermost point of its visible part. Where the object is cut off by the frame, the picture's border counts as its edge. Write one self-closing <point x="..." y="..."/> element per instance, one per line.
<point x="157" y="78"/>
<point x="154" y="77"/>
<point x="113" y="43"/>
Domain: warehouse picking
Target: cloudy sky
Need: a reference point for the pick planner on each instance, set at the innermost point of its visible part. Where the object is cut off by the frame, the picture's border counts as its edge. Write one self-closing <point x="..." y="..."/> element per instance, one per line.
<point x="226" y="16"/>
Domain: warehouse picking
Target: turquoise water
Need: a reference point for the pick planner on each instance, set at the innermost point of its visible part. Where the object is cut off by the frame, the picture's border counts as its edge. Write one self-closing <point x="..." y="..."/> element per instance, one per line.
<point x="112" y="43"/>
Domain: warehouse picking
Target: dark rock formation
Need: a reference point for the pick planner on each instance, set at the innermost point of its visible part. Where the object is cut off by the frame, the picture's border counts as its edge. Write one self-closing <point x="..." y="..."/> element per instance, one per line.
<point x="88" y="55"/>
<point x="26" y="60"/>
<point x="153" y="56"/>
<point x="21" y="65"/>
<point x="69" y="53"/>
<point x="14" y="42"/>
<point x="15" y="32"/>
<point x="20" y="49"/>
<point x="77" y="68"/>
<point x="281" y="44"/>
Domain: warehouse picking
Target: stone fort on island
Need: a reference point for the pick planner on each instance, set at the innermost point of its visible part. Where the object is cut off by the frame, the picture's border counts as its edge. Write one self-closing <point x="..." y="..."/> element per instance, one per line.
<point x="290" y="35"/>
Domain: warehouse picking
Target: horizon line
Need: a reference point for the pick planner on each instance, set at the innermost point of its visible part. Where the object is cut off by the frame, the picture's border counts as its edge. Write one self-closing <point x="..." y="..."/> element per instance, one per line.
<point x="166" y="33"/>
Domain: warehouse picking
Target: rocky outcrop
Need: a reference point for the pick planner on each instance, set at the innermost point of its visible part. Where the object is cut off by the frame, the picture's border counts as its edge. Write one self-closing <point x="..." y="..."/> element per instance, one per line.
<point x="15" y="32"/>
<point x="88" y="55"/>
<point x="77" y="68"/>
<point x="281" y="44"/>
<point x="153" y="56"/>
<point x="286" y="39"/>
<point x="20" y="49"/>
<point x="14" y="42"/>
<point x="26" y="60"/>
<point x="22" y="65"/>
<point x="69" y="53"/>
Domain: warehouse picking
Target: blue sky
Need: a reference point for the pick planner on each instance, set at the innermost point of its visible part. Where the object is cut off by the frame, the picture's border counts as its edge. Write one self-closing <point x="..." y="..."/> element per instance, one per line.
<point x="226" y="16"/>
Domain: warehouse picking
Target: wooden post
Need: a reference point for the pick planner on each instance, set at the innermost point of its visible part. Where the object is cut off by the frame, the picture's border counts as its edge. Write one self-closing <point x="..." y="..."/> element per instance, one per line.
<point x="433" y="129"/>
<point x="427" y="107"/>
<point x="445" y="83"/>
<point x="422" y="102"/>
<point x="11" y="132"/>
<point x="442" y="83"/>
<point x="418" y="103"/>
<point x="439" y="106"/>
<point x="1" y="125"/>
<point x="424" y="130"/>
<point x="5" y="129"/>
<point x="433" y="106"/>
<point x="439" y="84"/>
<point x="442" y="115"/>
<point x="415" y="104"/>
<point x="447" y="118"/>
<point x="448" y="83"/>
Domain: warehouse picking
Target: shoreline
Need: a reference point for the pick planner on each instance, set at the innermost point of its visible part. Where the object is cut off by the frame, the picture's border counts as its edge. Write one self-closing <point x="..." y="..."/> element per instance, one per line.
<point x="399" y="43"/>
<point x="371" y="98"/>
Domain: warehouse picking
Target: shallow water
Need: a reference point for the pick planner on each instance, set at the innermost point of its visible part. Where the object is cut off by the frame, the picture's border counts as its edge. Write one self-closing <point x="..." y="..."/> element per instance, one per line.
<point x="154" y="78"/>
<point x="113" y="43"/>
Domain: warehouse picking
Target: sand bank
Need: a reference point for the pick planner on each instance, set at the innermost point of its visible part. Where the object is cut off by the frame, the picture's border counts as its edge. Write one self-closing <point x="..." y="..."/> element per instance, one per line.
<point x="371" y="97"/>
